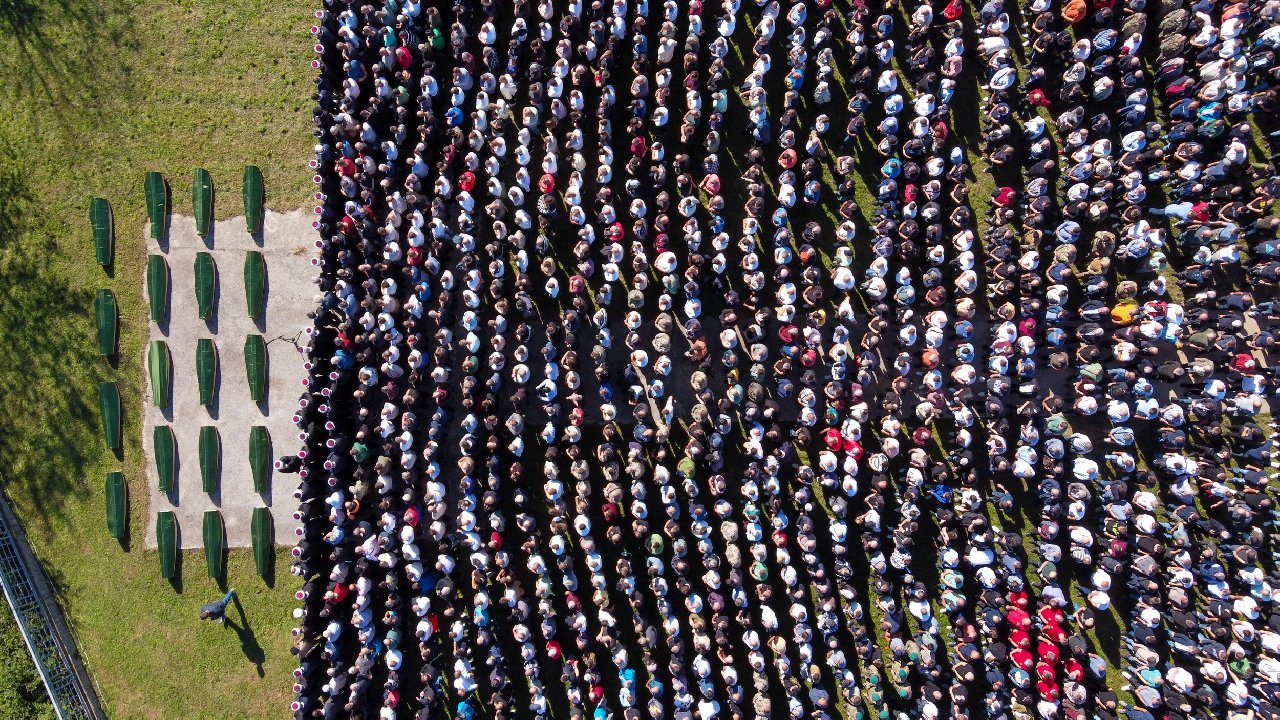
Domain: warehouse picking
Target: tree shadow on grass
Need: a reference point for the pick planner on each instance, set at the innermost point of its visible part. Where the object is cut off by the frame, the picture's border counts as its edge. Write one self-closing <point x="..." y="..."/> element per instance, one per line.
<point x="62" y="73"/>
<point x="49" y="370"/>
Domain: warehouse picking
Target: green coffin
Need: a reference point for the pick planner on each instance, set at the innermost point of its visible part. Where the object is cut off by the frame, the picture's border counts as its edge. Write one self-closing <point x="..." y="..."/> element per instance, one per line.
<point x="158" y="287"/>
<point x="253" y="199"/>
<point x="160" y="369"/>
<point x="202" y="200"/>
<point x="213" y="536"/>
<point x="263" y="549"/>
<point x="117" y="506"/>
<point x="167" y="540"/>
<point x="255" y="366"/>
<point x="206" y="280"/>
<point x="210" y="457"/>
<point x="104" y="239"/>
<point x="165" y="449"/>
<point x="260" y="456"/>
<point x="109" y="403"/>
<point x="206" y="369"/>
<point x="106" y="313"/>
<point x="255" y="283"/>
<point x="157" y="203"/>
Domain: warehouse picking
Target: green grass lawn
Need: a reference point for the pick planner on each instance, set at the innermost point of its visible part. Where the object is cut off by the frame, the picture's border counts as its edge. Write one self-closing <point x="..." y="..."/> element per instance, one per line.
<point x="93" y="96"/>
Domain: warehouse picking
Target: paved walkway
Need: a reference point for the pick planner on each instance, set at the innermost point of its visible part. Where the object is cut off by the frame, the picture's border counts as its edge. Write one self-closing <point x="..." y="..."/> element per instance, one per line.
<point x="286" y="246"/>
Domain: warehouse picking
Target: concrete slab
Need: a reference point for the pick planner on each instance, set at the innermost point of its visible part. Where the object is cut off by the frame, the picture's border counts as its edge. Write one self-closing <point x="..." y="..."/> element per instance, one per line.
<point x="286" y="245"/>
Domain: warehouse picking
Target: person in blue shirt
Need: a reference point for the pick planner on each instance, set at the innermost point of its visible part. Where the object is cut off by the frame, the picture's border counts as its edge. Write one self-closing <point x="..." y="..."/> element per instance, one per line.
<point x="217" y="610"/>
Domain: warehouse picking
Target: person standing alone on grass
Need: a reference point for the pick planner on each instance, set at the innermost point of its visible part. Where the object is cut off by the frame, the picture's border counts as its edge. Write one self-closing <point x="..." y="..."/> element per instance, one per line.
<point x="217" y="610"/>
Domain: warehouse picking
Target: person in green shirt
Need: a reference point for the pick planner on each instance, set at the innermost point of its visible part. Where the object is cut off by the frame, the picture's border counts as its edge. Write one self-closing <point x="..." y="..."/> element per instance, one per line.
<point x="1056" y="424"/>
<point x="686" y="466"/>
<point x="655" y="544"/>
<point x="1239" y="665"/>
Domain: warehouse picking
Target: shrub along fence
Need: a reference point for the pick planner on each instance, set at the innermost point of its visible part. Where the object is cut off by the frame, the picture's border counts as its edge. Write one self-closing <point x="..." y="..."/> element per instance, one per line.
<point x="43" y="628"/>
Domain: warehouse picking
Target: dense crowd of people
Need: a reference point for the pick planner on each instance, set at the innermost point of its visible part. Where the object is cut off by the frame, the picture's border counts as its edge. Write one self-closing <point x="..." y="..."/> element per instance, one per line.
<point x="664" y="366"/>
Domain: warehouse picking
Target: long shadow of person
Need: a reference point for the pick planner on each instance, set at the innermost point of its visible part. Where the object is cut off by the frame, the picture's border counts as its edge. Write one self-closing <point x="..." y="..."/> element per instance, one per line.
<point x="248" y="640"/>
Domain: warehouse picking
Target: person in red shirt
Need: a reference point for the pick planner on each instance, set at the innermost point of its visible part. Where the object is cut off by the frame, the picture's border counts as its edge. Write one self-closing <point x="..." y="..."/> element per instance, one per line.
<point x="1020" y="638"/>
<point x="1050" y="614"/>
<point x="1019" y="618"/>
<point x="1004" y="197"/>
<point x="339" y="593"/>
<point x="1200" y="211"/>
<point x="940" y="132"/>
<point x="1054" y="632"/>
<point x="1047" y="651"/>
<point x="832" y="438"/>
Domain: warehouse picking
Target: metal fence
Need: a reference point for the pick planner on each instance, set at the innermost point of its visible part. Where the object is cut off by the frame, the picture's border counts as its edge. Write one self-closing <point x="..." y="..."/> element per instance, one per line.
<point x="42" y="625"/>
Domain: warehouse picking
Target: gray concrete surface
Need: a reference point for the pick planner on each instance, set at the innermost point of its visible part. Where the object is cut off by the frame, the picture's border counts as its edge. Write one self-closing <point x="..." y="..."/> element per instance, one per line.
<point x="286" y="244"/>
